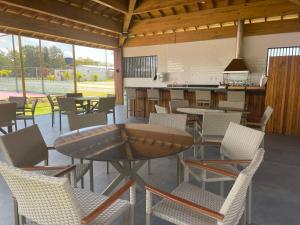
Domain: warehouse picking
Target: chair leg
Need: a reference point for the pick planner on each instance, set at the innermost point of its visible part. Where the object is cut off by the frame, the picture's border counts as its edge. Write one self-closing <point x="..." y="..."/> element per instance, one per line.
<point x="148" y="208"/>
<point x="16" y="126"/>
<point x="60" y="120"/>
<point x="33" y="120"/>
<point x="249" y="205"/>
<point x="25" y="123"/>
<point x="16" y="213"/>
<point x="244" y="218"/>
<point x="149" y="167"/>
<point x="92" y="177"/>
<point x="222" y="188"/>
<point x="52" y="118"/>
<point x="82" y="179"/>
<point x="107" y="167"/>
<point x="114" y="116"/>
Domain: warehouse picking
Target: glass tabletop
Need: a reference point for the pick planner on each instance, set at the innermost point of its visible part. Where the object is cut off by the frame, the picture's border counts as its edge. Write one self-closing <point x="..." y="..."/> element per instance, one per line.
<point x="124" y="142"/>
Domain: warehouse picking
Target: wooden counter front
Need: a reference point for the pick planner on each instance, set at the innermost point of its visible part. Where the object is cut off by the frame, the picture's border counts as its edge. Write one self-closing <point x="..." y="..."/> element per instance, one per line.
<point x="255" y="100"/>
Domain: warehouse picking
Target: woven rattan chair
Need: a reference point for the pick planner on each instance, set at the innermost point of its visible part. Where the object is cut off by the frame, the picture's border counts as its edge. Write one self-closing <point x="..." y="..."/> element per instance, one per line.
<point x="107" y="105"/>
<point x="175" y="104"/>
<point x="67" y="105"/>
<point x="20" y="101"/>
<point x="27" y="148"/>
<point x="264" y="120"/>
<point x="8" y="116"/>
<point x="232" y="105"/>
<point x="236" y="96"/>
<point x="177" y="94"/>
<point x="214" y="126"/>
<point x="191" y="205"/>
<point x="52" y="201"/>
<point x="77" y="122"/>
<point x="54" y="108"/>
<point x="177" y="121"/>
<point x="240" y="144"/>
<point x="29" y="113"/>
<point x="160" y="109"/>
<point x="203" y="98"/>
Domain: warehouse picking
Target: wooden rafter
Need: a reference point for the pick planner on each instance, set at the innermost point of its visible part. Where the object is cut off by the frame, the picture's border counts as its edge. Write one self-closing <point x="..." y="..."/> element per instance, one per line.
<point x="297" y="2"/>
<point x="64" y="11"/>
<point x="127" y="20"/>
<point x="217" y="33"/>
<point x="258" y="9"/>
<point x="30" y="25"/>
<point x="118" y="5"/>
<point x="152" y="5"/>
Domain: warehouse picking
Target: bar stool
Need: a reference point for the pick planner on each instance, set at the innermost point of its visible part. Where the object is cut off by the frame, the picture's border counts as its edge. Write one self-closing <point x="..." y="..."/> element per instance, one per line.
<point x="152" y="96"/>
<point x="177" y="94"/>
<point x="132" y="96"/>
<point x="203" y="98"/>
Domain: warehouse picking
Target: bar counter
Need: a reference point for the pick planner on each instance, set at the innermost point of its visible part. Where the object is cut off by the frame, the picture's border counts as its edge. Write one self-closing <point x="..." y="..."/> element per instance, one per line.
<point x="255" y="98"/>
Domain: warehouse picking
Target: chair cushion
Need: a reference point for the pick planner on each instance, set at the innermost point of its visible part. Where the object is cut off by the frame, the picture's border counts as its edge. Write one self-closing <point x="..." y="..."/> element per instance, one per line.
<point x="175" y="213"/>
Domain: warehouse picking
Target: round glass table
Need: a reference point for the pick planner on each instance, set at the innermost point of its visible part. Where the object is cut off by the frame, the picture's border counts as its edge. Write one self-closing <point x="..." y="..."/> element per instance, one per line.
<point x="126" y="146"/>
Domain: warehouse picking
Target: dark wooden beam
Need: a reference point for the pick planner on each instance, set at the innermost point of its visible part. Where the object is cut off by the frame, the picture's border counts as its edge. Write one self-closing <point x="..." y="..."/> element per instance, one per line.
<point x="66" y="12"/>
<point x="217" y="33"/>
<point x="216" y="15"/>
<point x="118" y="5"/>
<point x="25" y="24"/>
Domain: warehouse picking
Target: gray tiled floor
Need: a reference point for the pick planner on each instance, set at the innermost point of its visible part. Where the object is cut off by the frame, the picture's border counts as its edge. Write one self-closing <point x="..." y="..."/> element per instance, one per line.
<point x="276" y="194"/>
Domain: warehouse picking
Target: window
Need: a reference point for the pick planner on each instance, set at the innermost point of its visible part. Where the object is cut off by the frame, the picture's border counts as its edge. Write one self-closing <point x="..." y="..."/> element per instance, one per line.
<point x="140" y="67"/>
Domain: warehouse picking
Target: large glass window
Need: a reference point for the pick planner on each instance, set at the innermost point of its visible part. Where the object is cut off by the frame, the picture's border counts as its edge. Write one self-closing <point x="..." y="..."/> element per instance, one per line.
<point x="10" y="78"/>
<point x="94" y="71"/>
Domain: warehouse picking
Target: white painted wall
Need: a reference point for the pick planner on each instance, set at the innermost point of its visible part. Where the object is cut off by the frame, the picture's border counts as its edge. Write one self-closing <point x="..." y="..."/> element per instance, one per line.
<point x="203" y="62"/>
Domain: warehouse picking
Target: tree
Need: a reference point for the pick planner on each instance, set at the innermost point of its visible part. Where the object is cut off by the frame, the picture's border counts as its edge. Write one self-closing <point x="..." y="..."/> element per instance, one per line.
<point x="31" y="56"/>
<point x="5" y="61"/>
<point x="85" y="61"/>
<point x="56" y="58"/>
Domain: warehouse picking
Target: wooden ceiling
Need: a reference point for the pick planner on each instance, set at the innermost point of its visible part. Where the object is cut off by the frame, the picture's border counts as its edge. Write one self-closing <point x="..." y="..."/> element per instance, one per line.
<point x="114" y="23"/>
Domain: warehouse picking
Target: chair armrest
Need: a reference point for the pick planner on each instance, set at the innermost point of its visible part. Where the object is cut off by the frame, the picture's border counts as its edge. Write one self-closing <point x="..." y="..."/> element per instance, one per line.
<point x="225" y="161"/>
<point x="95" y="213"/>
<point x="191" y="205"/>
<point x="62" y="169"/>
<point x="212" y="169"/>
<point x="253" y="124"/>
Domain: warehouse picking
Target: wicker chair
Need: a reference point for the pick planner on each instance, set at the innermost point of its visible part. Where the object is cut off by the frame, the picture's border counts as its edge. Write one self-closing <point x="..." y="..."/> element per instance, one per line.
<point x="107" y="105"/>
<point x="21" y="103"/>
<point x="175" y="104"/>
<point x="177" y="121"/>
<point x="191" y="205"/>
<point x="203" y="98"/>
<point x="234" y="105"/>
<point x="240" y="143"/>
<point x="67" y="105"/>
<point x="236" y="96"/>
<point x="51" y="200"/>
<point x="27" y="148"/>
<point x="54" y="108"/>
<point x="214" y="126"/>
<point x="160" y="109"/>
<point x="8" y="116"/>
<point x="264" y="120"/>
<point x="177" y="94"/>
<point x="30" y="111"/>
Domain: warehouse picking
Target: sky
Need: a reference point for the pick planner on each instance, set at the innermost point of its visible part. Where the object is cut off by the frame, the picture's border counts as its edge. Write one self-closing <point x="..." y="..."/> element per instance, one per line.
<point x="80" y="51"/>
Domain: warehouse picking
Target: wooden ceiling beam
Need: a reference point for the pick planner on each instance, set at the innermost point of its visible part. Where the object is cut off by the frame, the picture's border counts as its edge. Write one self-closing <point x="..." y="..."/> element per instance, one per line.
<point x="155" y="5"/>
<point x="29" y="25"/>
<point x="217" y="33"/>
<point x="64" y="11"/>
<point x="127" y="21"/>
<point x="217" y="15"/>
<point x="117" y="5"/>
<point x="297" y="2"/>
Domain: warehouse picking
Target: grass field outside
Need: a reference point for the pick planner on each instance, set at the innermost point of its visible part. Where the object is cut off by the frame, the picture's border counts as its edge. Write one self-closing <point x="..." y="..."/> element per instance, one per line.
<point x="34" y="86"/>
